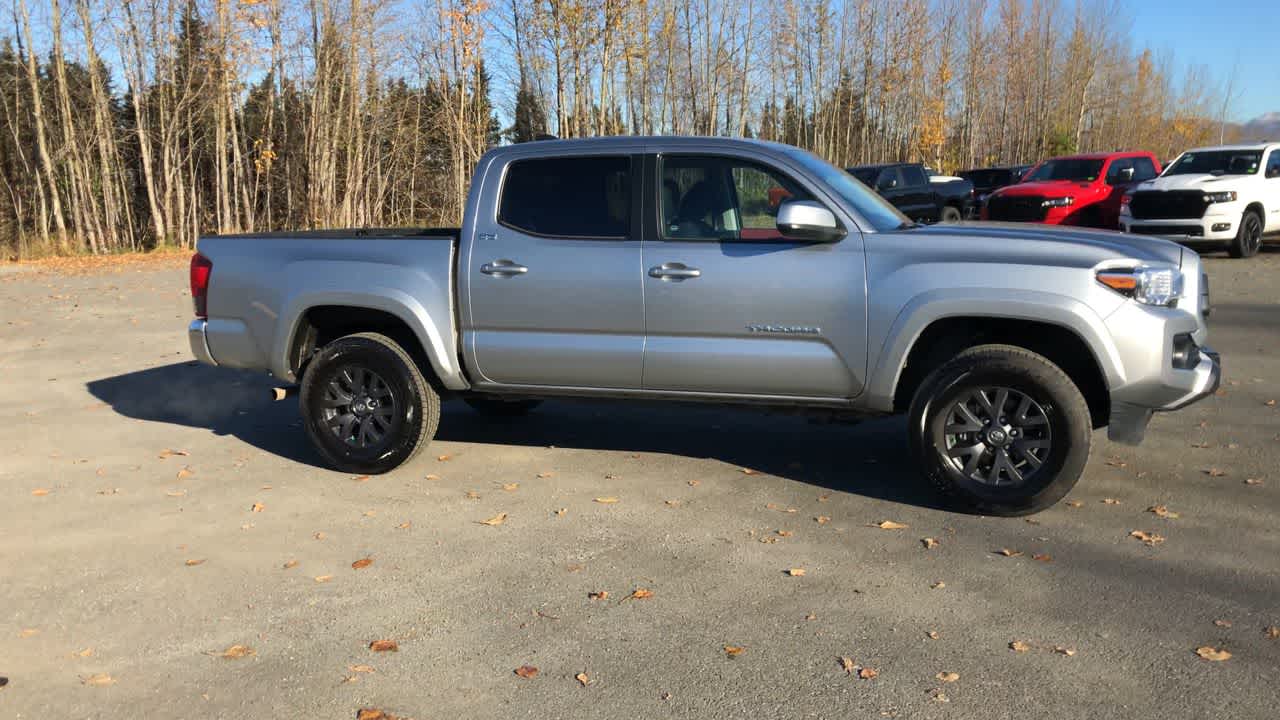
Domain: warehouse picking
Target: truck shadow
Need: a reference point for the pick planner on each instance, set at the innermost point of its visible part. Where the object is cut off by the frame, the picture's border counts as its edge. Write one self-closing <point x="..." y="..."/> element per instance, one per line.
<point x="869" y="459"/>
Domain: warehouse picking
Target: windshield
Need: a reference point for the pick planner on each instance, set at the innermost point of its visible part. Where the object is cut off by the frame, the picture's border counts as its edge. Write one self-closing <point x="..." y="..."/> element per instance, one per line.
<point x="1217" y="162"/>
<point x="1069" y="169"/>
<point x="873" y="208"/>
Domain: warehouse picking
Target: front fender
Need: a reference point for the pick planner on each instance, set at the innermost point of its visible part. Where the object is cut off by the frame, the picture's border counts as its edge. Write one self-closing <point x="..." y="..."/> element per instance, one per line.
<point x="422" y="302"/>
<point x="890" y="355"/>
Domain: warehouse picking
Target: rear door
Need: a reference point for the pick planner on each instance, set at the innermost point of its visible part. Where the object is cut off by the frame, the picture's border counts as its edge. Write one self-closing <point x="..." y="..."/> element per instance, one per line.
<point x="920" y="194"/>
<point x="552" y="279"/>
<point x="731" y="306"/>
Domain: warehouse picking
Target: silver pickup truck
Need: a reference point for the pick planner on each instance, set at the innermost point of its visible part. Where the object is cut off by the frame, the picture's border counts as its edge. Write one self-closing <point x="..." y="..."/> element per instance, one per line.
<point x="718" y="270"/>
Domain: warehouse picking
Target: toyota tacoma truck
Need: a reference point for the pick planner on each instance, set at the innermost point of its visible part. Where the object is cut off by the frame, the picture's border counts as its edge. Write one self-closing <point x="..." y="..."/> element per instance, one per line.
<point x="663" y="268"/>
<point x="1218" y="196"/>
<point x="909" y="187"/>
<point x="1081" y="190"/>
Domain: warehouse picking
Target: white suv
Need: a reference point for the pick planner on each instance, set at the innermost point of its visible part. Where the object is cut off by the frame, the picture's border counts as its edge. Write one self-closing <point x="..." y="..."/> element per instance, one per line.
<point x="1227" y="195"/>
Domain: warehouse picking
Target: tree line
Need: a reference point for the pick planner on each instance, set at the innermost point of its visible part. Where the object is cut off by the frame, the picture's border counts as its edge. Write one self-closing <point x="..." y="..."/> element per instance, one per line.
<point x="134" y="124"/>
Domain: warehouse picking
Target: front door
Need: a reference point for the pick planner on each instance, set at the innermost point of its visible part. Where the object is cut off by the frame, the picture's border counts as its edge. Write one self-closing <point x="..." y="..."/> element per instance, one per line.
<point x="733" y="307"/>
<point x="553" y="281"/>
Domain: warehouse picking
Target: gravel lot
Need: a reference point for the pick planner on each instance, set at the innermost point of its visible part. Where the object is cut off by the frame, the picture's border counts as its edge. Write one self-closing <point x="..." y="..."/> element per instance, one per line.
<point x="127" y="572"/>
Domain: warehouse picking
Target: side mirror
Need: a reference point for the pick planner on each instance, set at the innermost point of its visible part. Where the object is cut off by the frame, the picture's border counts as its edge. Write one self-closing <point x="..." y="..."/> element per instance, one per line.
<point x="808" y="221"/>
<point x="889" y="184"/>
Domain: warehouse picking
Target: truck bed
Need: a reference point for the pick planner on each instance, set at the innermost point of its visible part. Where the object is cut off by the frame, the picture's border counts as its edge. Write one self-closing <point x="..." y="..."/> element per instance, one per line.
<point x="439" y="233"/>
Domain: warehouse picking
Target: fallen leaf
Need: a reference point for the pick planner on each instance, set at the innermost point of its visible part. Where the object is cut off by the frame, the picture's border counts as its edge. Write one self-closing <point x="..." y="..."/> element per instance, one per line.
<point x="361" y="478"/>
<point x="110" y="491"/>
<point x="1008" y="553"/>
<point x="671" y="503"/>
<point x="360" y="668"/>
<point x="847" y="665"/>
<point x="185" y="472"/>
<point x="824" y="497"/>
<point x="785" y="533"/>
<point x="374" y="714"/>
<point x="193" y="562"/>
<point x="1213" y="654"/>
<point x="1253" y="481"/>
<point x="384" y="646"/>
<point x="1164" y="512"/>
<point x="1019" y="646"/>
<point x="796" y="572"/>
<point x="473" y="495"/>
<point x="1117" y="462"/>
<point x="938" y="696"/>
<point x="574" y="567"/>
<point x="290" y="564"/>
<point x="867" y="673"/>
<point x="1222" y="623"/>
<point x="748" y="471"/>
<point x="640" y="594"/>
<point x="238" y="651"/>
<point x="176" y="493"/>
<point x="822" y="519"/>
<point x="933" y="635"/>
<point x="40" y="492"/>
<point x="1074" y="503"/>
<point x="170" y="453"/>
<point x="444" y="458"/>
<point x="528" y="672"/>
<point x="582" y="679"/>
<point x="598" y="595"/>
<point x="1272" y="632"/>
<point x="323" y="578"/>
<point x="87" y="652"/>
<point x="948" y="677"/>
<point x="28" y="632"/>
<point x="511" y="487"/>
<point x="369" y="513"/>
<point x="258" y="507"/>
<point x="1063" y="650"/>
<point x="891" y="525"/>
<point x="495" y="520"/>
<point x="1270" y="403"/>
<point x="694" y="483"/>
<point x="362" y="563"/>
<point x="99" y="680"/>
<point x="319" y="535"/>
<point x="1149" y="538"/>
<point x="1042" y="557"/>
<point x="404" y="525"/>
<point x="431" y="476"/>
<point x="1110" y="501"/>
<point x="606" y="500"/>
<point x="1214" y="472"/>
<point x="810" y="616"/>
<point x="561" y="512"/>
<point x="929" y="543"/>
<point x="1201" y="445"/>
<point x="734" y="650"/>
<point x="937" y="585"/>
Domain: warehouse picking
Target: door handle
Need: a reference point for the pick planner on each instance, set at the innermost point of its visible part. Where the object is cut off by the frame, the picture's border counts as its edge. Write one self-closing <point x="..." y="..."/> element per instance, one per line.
<point x="674" y="271"/>
<point x="503" y="268"/>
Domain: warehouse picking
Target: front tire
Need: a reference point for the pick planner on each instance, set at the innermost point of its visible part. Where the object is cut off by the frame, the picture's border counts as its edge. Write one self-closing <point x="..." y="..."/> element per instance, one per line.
<point x="366" y="406"/>
<point x="1000" y="430"/>
<point x="950" y="214"/>
<point x="1248" y="239"/>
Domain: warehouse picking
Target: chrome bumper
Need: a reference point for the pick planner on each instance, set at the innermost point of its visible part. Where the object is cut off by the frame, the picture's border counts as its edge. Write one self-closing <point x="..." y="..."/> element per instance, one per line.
<point x="200" y="344"/>
<point x="1128" y="423"/>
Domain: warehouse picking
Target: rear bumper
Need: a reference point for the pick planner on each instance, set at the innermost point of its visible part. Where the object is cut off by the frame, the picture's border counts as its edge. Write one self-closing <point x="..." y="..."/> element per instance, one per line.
<point x="200" y="343"/>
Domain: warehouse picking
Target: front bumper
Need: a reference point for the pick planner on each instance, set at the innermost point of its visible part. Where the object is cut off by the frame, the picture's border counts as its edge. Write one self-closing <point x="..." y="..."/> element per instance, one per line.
<point x="1129" y="418"/>
<point x="200" y="343"/>
<point x="1187" y="230"/>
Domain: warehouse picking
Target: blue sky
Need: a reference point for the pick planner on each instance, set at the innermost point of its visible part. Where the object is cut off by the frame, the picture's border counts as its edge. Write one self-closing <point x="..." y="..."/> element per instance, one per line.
<point x="1218" y="35"/>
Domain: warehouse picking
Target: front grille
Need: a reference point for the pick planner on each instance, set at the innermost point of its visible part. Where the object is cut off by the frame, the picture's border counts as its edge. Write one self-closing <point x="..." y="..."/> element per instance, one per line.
<point x="1187" y="230"/>
<point x="1027" y="208"/>
<point x="1167" y="205"/>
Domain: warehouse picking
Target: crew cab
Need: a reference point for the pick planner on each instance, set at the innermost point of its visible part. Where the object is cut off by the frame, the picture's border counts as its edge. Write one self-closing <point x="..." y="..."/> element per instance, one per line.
<point x="1226" y="196"/>
<point x="909" y="188"/>
<point x="1083" y="190"/>
<point x="725" y="271"/>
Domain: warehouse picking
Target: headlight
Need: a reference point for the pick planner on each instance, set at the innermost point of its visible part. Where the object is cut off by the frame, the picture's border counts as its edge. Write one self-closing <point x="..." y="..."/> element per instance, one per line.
<point x="1149" y="284"/>
<point x="1220" y="197"/>
<point x="1057" y="202"/>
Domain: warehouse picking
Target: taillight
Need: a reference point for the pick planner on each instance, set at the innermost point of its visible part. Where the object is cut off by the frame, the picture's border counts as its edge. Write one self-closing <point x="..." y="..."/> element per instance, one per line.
<point x="201" y="268"/>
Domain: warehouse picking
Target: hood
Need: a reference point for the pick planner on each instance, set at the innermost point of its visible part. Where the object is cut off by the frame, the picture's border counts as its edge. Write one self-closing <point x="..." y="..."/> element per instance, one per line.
<point x="1191" y="182"/>
<point x="1055" y="244"/>
<point x="1048" y="188"/>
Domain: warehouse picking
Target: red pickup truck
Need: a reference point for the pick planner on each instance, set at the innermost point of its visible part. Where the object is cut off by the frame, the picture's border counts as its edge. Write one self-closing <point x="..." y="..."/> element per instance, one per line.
<point x="1083" y="190"/>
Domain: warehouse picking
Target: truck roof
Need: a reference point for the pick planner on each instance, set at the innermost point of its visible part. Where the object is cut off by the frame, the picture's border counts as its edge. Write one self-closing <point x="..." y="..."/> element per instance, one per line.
<point x="1244" y="146"/>
<point x="1102" y="155"/>
<point x="613" y="141"/>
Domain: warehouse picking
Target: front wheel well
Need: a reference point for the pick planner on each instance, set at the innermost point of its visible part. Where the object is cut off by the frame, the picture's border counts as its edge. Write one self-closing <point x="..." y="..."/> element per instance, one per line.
<point x="1257" y="209"/>
<point x="943" y="339"/>
<point x="322" y="324"/>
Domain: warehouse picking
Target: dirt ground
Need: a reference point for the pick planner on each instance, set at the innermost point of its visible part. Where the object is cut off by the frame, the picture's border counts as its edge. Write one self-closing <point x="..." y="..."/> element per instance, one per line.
<point x="172" y="549"/>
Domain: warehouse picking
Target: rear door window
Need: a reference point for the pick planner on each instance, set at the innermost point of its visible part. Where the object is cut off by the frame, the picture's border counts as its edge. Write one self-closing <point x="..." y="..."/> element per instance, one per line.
<point x="913" y="176"/>
<point x="570" y="197"/>
<point x="1117" y="166"/>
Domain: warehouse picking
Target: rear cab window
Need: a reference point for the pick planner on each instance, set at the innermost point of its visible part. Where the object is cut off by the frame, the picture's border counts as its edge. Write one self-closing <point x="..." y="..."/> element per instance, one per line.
<point x="569" y="197"/>
<point x="913" y="176"/>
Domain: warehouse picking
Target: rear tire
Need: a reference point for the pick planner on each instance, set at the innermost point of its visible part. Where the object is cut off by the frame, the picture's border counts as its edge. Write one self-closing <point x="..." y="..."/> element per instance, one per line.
<point x="983" y="448"/>
<point x="498" y="408"/>
<point x="950" y="214"/>
<point x="366" y="406"/>
<point x="1248" y="239"/>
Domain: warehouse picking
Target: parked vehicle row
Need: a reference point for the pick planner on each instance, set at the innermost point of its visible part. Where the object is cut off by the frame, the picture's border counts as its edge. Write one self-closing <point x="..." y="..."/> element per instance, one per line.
<point x="718" y="270"/>
<point x="1225" y="197"/>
